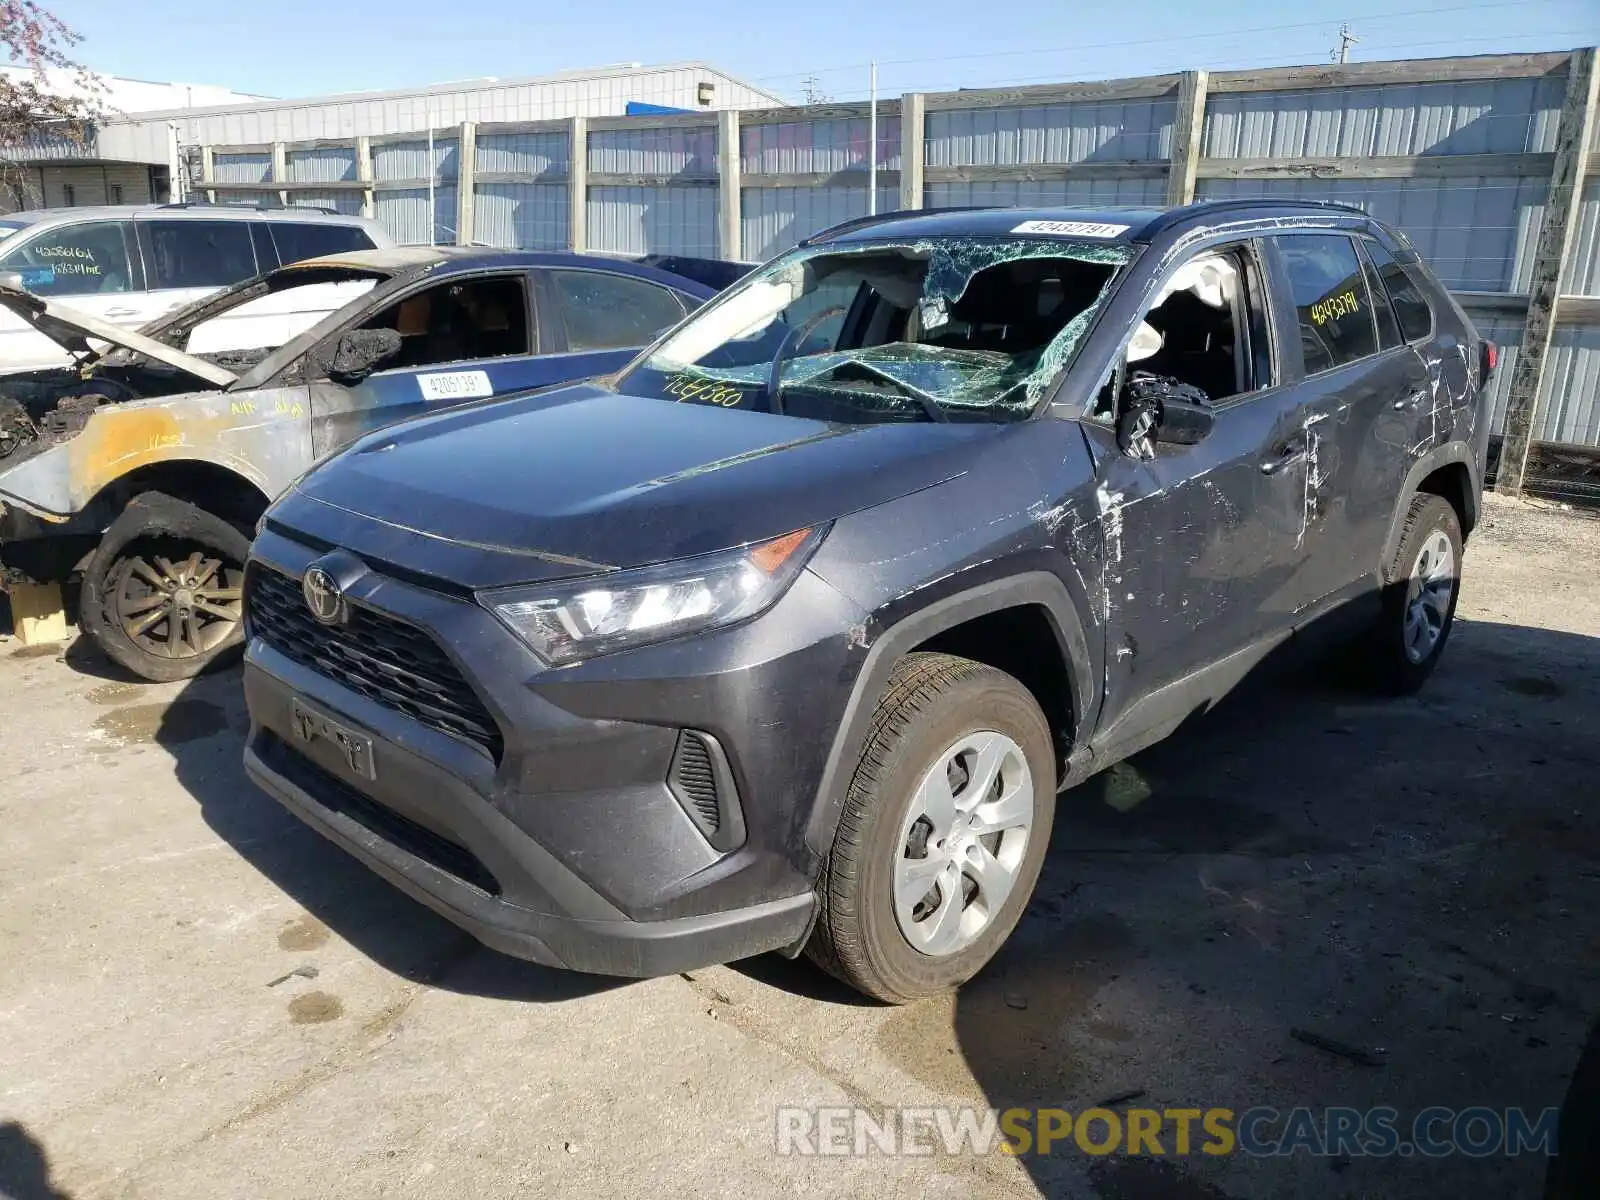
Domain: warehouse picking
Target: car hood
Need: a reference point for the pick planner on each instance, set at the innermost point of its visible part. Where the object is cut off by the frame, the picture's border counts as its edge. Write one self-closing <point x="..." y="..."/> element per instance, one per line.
<point x="584" y="479"/>
<point x="71" y="330"/>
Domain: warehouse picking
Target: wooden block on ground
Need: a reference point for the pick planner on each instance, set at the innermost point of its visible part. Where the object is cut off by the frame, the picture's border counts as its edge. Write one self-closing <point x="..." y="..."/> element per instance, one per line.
<point x="38" y="613"/>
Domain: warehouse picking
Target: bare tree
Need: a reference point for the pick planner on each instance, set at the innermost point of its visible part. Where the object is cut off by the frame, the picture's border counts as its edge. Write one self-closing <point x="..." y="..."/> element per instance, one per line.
<point x="47" y="95"/>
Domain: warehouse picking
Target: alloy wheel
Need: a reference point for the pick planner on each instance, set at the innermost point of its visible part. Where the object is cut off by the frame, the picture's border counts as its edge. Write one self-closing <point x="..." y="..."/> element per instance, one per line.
<point x="962" y="842"/>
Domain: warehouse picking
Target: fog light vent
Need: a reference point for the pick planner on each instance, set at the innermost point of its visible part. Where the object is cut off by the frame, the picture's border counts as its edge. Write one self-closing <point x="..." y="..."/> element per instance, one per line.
<point x="702" y="782"/>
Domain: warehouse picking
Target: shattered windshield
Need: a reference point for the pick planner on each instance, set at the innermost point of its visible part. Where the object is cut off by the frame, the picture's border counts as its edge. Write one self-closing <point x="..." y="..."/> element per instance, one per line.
<point x="955" y="328"/>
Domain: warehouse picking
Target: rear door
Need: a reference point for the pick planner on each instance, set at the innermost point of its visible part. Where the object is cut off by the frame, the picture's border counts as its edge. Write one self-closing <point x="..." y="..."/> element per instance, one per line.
<point x="91" y="265"/>
<point x="186" y="260"/>
<point x="464" y="338"/>
<point x="596" y="321"/>
<point x="1367" y="399"/>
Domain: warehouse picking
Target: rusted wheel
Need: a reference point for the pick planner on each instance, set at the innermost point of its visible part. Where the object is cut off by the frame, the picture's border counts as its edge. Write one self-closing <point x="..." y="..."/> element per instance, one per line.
<point x="162" y="593"/>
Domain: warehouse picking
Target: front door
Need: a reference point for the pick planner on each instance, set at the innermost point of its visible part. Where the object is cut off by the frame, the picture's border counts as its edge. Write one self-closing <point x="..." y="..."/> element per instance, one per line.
<point x="462" y="339"/>
<point x="90" y="266"/>
<point x="1202" y="541"/>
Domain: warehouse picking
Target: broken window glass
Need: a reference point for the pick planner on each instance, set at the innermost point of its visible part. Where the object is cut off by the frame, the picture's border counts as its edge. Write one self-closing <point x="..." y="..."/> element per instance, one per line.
<point x="941" y="328"/>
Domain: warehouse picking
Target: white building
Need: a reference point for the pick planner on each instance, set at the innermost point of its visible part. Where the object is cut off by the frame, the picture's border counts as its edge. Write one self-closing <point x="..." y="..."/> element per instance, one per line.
<point x="151" y="140"/>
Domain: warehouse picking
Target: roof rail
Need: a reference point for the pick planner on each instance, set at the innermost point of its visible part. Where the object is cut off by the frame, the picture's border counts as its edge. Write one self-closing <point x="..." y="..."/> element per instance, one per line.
<point x="258" y="206"/>
<point x="855" y="223"/>
<point x="1171" y="216"/>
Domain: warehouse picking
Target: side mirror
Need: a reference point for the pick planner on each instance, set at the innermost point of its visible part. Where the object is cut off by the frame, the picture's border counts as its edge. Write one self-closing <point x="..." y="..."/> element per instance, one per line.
<point x="1183" y="422"/>
<point x="358" y="354"/>
<point x="1159" y="410"/>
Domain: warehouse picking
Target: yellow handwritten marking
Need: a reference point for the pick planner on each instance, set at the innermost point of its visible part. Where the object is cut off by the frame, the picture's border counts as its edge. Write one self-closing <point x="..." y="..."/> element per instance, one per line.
<point x="1334" y="307"/>
<point x="285" y="409"/>
<point x="242" y="408"/>
<point x="159" y="441"/>
<point x="687" y="387"/>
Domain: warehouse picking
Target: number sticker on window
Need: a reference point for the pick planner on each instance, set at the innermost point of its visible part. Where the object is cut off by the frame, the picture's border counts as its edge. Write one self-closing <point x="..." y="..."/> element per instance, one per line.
<point x="455" y="385"/>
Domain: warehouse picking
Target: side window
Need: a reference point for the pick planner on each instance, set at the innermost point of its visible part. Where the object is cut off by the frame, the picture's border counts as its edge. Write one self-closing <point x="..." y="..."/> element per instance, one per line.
<point x="1410" y="305"/>
<point x="612" y="312"/>
<point x="1205" y="332"/>
<point x="196" y="254"/>
<point x="1329" y="294"/>
<point x="1382" y="310"/>
<point x="297" y="242"/>
<point x="75" y="260"/>
<point x="458" y="322"/>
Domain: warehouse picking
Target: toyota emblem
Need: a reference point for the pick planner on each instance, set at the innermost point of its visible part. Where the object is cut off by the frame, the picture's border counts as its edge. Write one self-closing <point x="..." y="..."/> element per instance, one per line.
<point x="323" y="596"/>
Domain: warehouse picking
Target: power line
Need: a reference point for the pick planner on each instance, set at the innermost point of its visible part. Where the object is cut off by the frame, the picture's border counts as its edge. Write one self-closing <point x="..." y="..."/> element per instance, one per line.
<point x="1136" y="42"/>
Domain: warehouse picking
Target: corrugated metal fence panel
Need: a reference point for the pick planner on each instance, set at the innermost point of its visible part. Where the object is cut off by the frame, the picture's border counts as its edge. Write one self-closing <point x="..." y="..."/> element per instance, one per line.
<point x="1505" y="330"/>
<point x="1476" y="234"/>
<point x="323" y="164"/>
<point x="774" y="219"/>
<point x="521" y="216"/>
<point x="806" y="147"/>
<point x="348" y="203"/>
<point x="242" y="168"/>
<point x="653" y="220"/>
<point x="1050" y="133"/>
<point x="409" y="160"/>
<point x="1503" y="116"/>
<point x="1569" y="407"/>
<point x="1032" y="193"/>
<point x="1582" y="274"/>
<point x="670" y="151"/>
<point x="522" y="153"/>
<point x="404" y="214"/>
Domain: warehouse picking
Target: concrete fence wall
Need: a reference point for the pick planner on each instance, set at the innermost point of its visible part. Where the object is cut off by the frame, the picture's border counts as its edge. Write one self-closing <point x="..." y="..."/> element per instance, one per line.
<point x="1481" y="161"/>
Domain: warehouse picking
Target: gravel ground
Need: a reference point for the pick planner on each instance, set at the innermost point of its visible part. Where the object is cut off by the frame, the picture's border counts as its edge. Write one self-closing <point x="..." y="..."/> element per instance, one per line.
<point x="202" y="998"/>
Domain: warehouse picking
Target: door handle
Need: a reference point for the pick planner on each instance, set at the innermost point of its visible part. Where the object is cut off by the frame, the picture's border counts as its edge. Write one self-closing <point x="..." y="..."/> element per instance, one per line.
<point x="1288" y="454"/>
<point x="1410" y="401"/>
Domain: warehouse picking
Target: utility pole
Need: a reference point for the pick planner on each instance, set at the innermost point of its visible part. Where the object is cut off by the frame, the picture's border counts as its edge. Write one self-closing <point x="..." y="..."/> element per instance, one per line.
<point x="1346" y="40"/>
<point x="813" y="90"/>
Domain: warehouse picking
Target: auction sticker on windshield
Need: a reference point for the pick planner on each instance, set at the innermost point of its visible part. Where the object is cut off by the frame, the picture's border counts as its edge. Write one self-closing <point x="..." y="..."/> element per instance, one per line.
<point x="455" y="385"/>
<point x="1090" y="229"/>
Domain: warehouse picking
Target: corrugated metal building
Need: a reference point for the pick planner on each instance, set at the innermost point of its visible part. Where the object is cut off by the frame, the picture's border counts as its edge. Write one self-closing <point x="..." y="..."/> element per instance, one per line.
<point x="150" y="153"/>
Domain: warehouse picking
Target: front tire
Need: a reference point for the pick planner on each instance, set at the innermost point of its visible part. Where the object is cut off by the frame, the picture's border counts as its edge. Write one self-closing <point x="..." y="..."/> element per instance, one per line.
<point x="1422" y="583"/>
<point x="943" y="832"/>
<point x="162" y="592"/>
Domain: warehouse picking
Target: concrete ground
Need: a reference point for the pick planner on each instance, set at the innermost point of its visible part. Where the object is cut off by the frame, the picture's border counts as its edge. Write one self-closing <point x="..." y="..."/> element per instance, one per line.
<point x="200" y="997"/>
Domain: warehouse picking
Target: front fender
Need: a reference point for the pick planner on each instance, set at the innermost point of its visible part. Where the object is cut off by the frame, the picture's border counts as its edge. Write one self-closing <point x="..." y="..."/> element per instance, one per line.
<point x="1041" y="588"/>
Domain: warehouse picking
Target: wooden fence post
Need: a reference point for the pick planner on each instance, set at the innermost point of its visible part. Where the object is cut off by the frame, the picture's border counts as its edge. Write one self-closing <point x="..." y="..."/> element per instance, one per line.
<point x="729" y="196"/>
<point x="369" y="207"/>
<point x="1187" y="126"/>
<point x="913" y="112"/>
<point x="578" y="184"/>
<point x="1574" y="133"/>
<point x="466" y="175"/>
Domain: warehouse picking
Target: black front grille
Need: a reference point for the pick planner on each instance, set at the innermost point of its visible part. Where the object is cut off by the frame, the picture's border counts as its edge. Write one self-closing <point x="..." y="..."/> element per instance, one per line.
<point x="389" y="661"/>
<point x="417" y="840"/>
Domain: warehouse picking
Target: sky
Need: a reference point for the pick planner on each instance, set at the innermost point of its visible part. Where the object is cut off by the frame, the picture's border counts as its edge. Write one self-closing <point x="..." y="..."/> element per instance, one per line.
<point x="292" y="48"/>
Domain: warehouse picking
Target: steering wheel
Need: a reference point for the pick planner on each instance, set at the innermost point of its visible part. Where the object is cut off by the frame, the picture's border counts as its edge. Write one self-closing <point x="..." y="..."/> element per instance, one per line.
<point x="790" y="340"/>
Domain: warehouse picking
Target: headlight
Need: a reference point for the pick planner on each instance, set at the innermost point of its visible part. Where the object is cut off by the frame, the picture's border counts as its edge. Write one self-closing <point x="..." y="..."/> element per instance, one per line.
<point x="570" y="620"/>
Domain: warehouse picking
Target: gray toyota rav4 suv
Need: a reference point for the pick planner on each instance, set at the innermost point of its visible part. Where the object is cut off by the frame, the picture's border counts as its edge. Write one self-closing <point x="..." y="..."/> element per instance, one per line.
<point x="787" y="635"/>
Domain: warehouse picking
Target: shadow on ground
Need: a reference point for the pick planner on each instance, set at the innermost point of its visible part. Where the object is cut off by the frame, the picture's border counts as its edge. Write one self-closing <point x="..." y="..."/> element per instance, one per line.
<point x="24" y="1166"/>
<point x="1404" y="879"/>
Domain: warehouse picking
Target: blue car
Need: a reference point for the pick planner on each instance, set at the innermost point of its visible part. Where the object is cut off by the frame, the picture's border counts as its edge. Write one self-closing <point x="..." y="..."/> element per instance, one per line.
<point x="144" y="465"/>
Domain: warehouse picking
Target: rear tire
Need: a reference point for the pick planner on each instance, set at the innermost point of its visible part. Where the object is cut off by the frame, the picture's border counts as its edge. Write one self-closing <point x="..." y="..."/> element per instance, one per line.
<point x="162" y="592"/>
<point x="943" y="832"/>
<point x="1422" y="583"/>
